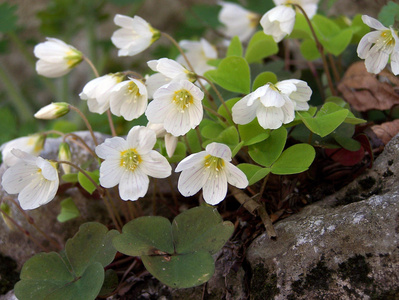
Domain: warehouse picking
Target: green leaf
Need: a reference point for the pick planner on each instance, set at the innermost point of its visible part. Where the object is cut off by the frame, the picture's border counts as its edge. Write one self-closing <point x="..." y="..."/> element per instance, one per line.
<point x="254" y="173"/>
<point x="389" y="14"/>
<point x="111" y="282"/>
<point x="309" y="50"/>
<point x="237" y="148"/>
<point x="229" y="103"/>
<point x="337" y="44"/>
<point x="235" y="47"/>
<point x="200" y="229"/>
<point x="295" y="159"/>
<point x="69" y="210"/>
<point x="193" y="141"/>
<point x="181" y="271"/>
<point x="338" y="101"/>
<point x="253" y="133"/>
<point x="228" y="136"/>
<point x="71" y="177"/>
<point x="101" y="250"/>
<point x="86" y="183"/>
<point x="232" y="74"/>
<point x="359" y="29"/>
<point x="347" y="142"/>
<point x="301" y="28"/>
<point x="212" y="130"/>
<point x="260" y="46"/>
<point x="46" y="276"/>
<point x="8" y="17"/>
<point x="145" y="236"/>
<point x="327" y="119"/>
<point x="77" y="273"/>
<point x="266" y="153"/>
<point x="264" y="78"/>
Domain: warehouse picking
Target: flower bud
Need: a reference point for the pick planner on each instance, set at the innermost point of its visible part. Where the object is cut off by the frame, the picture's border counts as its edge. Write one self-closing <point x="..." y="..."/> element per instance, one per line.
<point x="64" y="153"/>
<point x="53" y="111"/>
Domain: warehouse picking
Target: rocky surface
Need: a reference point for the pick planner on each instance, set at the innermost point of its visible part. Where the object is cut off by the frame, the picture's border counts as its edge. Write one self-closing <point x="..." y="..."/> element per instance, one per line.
<point x="345" y="247"/>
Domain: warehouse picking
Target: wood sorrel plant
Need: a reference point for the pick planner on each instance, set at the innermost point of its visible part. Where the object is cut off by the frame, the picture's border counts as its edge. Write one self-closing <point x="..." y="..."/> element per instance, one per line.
<point x="219" y="143"/>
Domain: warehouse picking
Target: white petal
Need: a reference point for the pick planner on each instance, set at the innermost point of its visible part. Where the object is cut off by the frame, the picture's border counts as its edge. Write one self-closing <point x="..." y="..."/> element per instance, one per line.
<point x="170" y="144"/>
<point x="18" y="176"/>
<point x="242" y="113"/>
<point x="366" y="43"/>
<point x="215" y="188"/>
<point x="270" y="117"/>
<point x="395" y="63"/>
<point x="219" y="150"/>
<point x="133" y="185"/>
<point x="49" y="172"/>
<point x="37" y="193"/>
<point x="373" y="23"/>
<point x="141" y="138"/>
<point x="235" y="176"/>
<point x="155" y="165"/>
<point x="111" y="172"/>
<point x="196" y="159"/>
<point x="111" y="147"/>
<point x="192" y="180"/>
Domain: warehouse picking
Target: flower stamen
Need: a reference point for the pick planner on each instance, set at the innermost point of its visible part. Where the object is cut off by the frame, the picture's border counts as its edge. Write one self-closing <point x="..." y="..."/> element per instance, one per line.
<point x="183" y="99"/>
<point x="130" y="159"/>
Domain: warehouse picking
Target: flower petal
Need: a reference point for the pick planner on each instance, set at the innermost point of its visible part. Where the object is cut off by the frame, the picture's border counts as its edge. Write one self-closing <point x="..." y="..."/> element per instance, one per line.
<point x="155" y="165"/>
<point x="133" y="185"/>
<point x="215" y="188"/>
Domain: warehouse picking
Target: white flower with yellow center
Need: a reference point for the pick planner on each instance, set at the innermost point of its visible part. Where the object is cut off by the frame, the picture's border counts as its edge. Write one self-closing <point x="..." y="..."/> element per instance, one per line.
<point x="280" y="20"/>
<point x="237" y="20"/>
<point x="129" y="99"/>
<point x="129" y="162"/>
<point x="135" y="36"/>
<point x="273" y="105"/>
<point x="32" y="144"/>
<point x="56" y="58"/>
<point x="34" y="179"/>
<point x="378" y="46"/>
<point x="178" y="106"/>
<point x="199" y="53"/>
<point x="97" y="92"/>
<point x="168" y="70"/>
<point x="210" y="170"/>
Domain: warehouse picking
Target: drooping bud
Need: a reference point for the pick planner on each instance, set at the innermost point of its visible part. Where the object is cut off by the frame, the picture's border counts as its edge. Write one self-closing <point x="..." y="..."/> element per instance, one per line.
<point x="64" y="153"/>
<point x="52" y="111"/>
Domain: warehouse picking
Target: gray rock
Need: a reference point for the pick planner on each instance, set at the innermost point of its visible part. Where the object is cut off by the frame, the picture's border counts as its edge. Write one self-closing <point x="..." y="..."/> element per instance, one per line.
<point x="344" y="247"/>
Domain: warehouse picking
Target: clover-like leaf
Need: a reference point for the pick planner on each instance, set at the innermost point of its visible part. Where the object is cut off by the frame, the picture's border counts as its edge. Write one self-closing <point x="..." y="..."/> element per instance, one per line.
<point x="232" y="74"/>
<point x="259" y="47"/>
<point x="235" y="47"/>
<point x="254" y="173"/>
<point x="86" y="183"/>
<point x="295" y="159"/>
<point x="77" y="273"/>
<point x="145" y="236"/>
<point x="69" y="210"/>
<point x="253" y="133"/>
<point x="200" y="229"/>
<point x="181" y="271"/>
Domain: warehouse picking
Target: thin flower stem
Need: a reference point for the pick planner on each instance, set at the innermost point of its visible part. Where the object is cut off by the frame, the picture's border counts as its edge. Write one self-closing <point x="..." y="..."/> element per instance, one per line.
<point x="215" y="113"/>
<point x="82" y="143"/>
<point x="320" y="48"/>
<point x="32" y="222"/>
<point x="174" y="42"/>
<point x="187" y="144"/>
<point x="89" y="62"/>
<point x="98" y="188"/>
<point x="197" y="130"/>
<point x="111" y="123"/>
<point x="337" y="78"/>
<point x="113" y="211"/>
<point x="86" y="122"/>
<point x="172" y="189"/>
<point x="24" y="231"/>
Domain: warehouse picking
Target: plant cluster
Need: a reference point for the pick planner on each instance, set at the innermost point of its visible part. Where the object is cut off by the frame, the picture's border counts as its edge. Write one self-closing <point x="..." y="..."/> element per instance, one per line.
<point x="224" y="119"/>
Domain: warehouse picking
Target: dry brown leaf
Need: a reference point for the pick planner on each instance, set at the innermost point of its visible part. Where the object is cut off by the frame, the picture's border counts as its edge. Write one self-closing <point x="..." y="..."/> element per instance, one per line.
<point x="386" y="131"/>
<point x="365" y="91"/>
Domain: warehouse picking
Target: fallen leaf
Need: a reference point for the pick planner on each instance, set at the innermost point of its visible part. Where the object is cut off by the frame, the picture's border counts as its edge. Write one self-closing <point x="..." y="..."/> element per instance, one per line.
<point x="386" y="131"/>
<point x="365" y="91"/>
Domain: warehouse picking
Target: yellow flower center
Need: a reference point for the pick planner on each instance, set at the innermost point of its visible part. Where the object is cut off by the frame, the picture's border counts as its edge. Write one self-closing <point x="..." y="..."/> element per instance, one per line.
<point x="253" y="19"/>
<point x="73" y="57"/>
<point x="387" y="39"/>
<point x="213" y="162"/>
<point x="183" y="99"/>
<point x="133" y="90"/>
<point x="130" y="159"/>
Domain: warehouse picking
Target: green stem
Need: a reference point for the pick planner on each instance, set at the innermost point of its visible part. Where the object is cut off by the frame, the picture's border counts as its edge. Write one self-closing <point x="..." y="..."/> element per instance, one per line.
<point x="320" y="48"/>
<point x="86" y="122"/>
<point x="92" y="66"/>
<point x="18" y="100"/>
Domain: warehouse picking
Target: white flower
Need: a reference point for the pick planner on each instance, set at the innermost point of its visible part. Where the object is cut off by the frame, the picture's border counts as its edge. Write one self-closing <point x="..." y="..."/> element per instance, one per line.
<point x="178" y="106"/>
<point x="52" y="111"/>
<point x="56" y="58"/>
<point x="273" y="105"/>
<point x="34" y="179"/>
<point x="210" y="170"/>
<point x="377" y="46"/>
<point x="135" y="36"/>
<point x="298" y="91"/>
<point x="278" y="22"/>
<point x="129" y="162"/>
<point x="237" y="20"/>
<point x="129" y="99"/>
<point x="32" y="144"/>
<point x="97" y="92"/>
<point x="198" y="53"/>
<point x="170" y="140"/>
<point x="168" y="70"/>
<point x="309" y="6"/>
